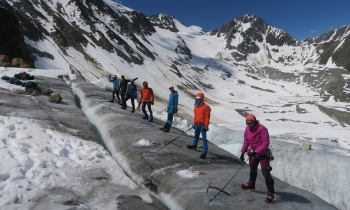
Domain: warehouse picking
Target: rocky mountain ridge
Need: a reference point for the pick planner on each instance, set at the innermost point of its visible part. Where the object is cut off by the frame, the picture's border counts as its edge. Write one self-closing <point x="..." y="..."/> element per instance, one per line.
<point x="95" y="38"/>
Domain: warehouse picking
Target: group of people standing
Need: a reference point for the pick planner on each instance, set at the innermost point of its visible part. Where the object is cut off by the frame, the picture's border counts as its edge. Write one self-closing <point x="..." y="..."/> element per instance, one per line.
<point x="256" y="136"/>
<point x="129" y="91"/>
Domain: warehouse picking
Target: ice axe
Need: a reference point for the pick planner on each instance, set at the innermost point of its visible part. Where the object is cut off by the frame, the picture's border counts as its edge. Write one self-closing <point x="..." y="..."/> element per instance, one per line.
<point x="217" y="188"/>
<point x="222" y="189"/>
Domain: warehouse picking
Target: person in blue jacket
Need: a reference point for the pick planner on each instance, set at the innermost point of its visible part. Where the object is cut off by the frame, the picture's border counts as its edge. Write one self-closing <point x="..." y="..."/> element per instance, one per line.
<point x="172" y="109"/>
<point x="115" y="87"/>
<point x="131" y="93"/>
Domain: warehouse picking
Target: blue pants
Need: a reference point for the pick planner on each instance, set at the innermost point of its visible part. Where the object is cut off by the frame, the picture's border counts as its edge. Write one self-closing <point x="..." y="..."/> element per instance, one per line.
<point x="197" y="131"/>
<point x="170" y="119"/>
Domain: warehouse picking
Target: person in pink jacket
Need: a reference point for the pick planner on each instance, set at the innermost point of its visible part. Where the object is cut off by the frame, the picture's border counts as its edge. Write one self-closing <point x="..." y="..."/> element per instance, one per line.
<point x="256" y="144"/>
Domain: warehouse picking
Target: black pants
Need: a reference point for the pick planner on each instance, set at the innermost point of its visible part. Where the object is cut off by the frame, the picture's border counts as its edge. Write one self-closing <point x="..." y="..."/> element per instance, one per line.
<point x="149" y="108"/>
<point x="122" y="94"/>
<point x="116" y="92"/>
<point x="132" y="101"/>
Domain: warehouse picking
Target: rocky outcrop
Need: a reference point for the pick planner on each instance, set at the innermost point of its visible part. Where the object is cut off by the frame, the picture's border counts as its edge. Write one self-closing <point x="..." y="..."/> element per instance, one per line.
<point x="13" y="50"/>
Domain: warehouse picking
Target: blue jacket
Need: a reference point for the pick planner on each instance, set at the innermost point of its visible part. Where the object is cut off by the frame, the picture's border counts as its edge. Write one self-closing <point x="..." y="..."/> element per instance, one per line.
<point x="115" y="82"/>
<point x="173" y="101"/>
<point x="132" y="90"/>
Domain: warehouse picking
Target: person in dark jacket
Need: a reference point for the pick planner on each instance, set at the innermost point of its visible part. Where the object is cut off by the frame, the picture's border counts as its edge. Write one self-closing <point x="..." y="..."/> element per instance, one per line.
<point x="171" y="109"/>
<point x="256" y="144"/>
<point x="123" y="85"/>
<point x="115" y="81"/>
<point x="131" y="93"/>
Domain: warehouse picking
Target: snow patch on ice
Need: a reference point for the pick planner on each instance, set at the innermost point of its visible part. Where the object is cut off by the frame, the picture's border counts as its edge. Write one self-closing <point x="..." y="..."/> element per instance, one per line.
<point x="143" y="142"/>
<point x="188" y="173"/>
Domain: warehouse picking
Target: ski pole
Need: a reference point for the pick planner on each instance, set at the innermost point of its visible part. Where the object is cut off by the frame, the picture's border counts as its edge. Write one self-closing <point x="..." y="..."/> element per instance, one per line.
<point x="222" y="189"/>
<point x="174" y="139"/>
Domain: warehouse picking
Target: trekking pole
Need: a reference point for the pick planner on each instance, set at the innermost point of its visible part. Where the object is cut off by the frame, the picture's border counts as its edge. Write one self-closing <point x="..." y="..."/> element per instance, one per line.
<point x="174" y="139"/>
<point x="222" y="189"/>
<point x="141" y="158"/>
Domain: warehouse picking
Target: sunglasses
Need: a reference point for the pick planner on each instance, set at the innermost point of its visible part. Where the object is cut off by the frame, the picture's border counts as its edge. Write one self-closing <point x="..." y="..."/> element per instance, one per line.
<point x="250" y="123"/>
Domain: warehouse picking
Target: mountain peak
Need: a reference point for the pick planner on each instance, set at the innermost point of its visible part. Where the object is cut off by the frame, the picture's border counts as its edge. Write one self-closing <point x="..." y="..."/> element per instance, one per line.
<point x="164" y="21"/>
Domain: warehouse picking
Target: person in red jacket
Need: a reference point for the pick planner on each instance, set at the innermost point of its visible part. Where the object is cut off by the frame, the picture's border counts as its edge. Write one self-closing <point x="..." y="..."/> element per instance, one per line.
<point x="256" y="143"/>
<point x="147" y="98"/>
<point x="201" y="123"/>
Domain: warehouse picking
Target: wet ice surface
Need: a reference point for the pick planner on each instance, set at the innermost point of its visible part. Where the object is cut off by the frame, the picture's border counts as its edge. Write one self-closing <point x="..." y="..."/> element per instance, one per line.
<point x="122" y="138"/>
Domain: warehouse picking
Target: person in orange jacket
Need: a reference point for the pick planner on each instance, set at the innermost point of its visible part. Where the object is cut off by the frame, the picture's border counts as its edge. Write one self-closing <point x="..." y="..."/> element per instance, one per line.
<point x="147" y="98"/>
<point x="201" y="123"/>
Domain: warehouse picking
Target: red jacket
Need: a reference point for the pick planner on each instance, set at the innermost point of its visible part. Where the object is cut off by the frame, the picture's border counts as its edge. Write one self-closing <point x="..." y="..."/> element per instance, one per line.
<point x="257" y="138"/>
<point x="201" y="112"/>
<point x="146" y="93"/>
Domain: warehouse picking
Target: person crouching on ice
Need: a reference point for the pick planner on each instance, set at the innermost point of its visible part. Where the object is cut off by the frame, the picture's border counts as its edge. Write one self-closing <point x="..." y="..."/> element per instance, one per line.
<point x="201" y="123"/>
<point x="256" y="138"/>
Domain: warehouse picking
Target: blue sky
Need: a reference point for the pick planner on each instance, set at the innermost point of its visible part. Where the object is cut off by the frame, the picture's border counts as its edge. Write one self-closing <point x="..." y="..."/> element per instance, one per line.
<point x="299" y="18"/>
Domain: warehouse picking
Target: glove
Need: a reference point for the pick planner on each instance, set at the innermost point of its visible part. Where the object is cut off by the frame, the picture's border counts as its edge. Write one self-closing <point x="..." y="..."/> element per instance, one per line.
<point x="242" y="157"/>
<point x="152" y="103"/>
<point x="205" y="129"/>
<point x="252" y="154"/>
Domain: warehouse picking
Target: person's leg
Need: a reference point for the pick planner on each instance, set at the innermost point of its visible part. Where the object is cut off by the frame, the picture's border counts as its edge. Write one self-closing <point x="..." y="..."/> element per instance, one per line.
<point x="150" y="109"/>
<point x="113" y="94"/>
<point x="133" y="102"/>
<point x="265" y="169"/>
<point x="144" y="110"/>
<point x="168" y="123"/>
<point x="124" y="101"/>
<point x="117" y="94"/>
<point x="204" y="139"/>
<point x="122" y="95"/>
<point x="197" y="130"/>
<point x="170" y="119"/>
<point x="253" y="163"/>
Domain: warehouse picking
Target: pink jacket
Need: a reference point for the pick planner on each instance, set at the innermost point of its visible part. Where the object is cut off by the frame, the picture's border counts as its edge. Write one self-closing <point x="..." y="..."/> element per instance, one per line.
<point x="257" y="138"/>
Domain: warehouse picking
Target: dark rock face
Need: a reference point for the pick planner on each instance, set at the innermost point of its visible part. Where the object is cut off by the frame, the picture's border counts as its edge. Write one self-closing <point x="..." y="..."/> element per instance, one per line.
<point x="255" y="33"/>
<point x="83" y="30"/>
<point x="163" y="21"/>
<point x="12" y="45"/>
<point x="331" y="35"/>
<point x="184" y="50"/>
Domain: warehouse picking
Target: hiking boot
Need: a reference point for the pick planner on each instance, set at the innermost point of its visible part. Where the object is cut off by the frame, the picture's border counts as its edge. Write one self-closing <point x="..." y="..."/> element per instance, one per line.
<point x="270" y="196"/>
<point x="249" y="186"/>
<point x="161" y="128"/>
<point x="132" y="111"/>
<point x="145" y="118"/>
<point x="166" y="130"/>
<point x="192" y="147"/>
<point x="203" y="155"/>
<point x="123" y="107"/>
<point x="151" y="119"/>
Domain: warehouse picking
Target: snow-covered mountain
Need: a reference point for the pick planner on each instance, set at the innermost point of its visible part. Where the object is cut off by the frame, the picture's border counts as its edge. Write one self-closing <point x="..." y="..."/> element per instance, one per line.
<point x="299" y="90"/>
<point x="95" y="38"/>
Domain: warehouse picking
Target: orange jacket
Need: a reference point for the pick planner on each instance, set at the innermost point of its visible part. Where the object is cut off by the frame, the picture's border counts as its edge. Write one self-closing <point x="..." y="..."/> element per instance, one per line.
<point x="201" y="112"/>
<point x="146" y="93"/>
